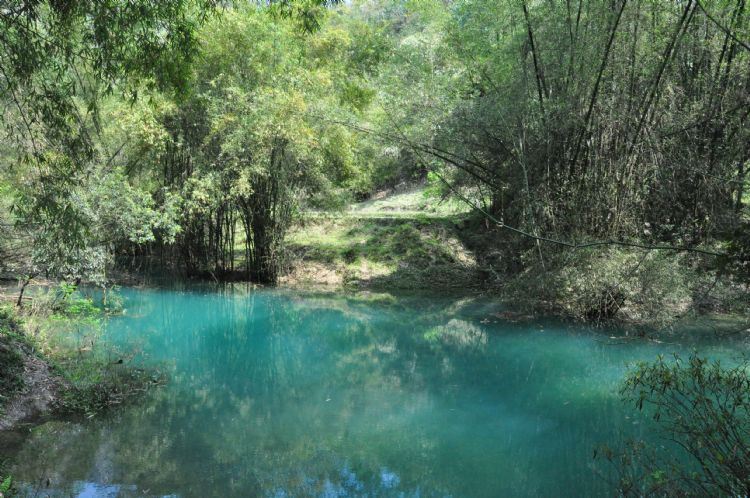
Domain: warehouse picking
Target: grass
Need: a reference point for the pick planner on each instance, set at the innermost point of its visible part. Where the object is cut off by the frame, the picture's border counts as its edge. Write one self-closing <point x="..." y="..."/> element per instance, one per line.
<point x="405" y="239"/>
<point x="401" y="240"/>
<point x="388" y="243"/>
<point x="412" y="202"/>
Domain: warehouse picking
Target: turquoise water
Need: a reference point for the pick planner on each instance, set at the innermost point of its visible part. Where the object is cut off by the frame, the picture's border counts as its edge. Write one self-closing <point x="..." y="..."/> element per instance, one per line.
<point x="279" y="393"/>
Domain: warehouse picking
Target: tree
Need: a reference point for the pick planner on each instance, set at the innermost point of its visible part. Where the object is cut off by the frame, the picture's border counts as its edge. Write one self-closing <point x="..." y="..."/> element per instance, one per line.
<point x="247" y="144"/>
<point x="59" y="64"/>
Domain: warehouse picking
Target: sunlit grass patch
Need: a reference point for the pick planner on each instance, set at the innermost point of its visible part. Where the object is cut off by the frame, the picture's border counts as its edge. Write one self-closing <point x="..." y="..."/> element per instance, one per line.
<point x="400" y="253"/>
<point x="413" y="201"/>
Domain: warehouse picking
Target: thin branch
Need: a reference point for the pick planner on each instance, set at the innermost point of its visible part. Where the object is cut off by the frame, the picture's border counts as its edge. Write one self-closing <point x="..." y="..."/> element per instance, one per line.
<point x="597" y="243"/>
<point x="419" y="149"/>
<point x="722" y="27"/>
<point x="595" y="92"/>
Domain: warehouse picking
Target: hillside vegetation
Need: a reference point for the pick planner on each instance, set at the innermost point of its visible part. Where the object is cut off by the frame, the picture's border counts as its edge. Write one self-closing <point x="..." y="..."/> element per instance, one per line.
<point x="582" y="157"/>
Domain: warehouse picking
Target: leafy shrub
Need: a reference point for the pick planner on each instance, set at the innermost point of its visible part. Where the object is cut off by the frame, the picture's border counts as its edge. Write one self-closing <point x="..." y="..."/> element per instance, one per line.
<point x="65" y="301"/>
<point x="702" y="413"/>
<point x="6" y="486"/>
<point x="598" y="285"/>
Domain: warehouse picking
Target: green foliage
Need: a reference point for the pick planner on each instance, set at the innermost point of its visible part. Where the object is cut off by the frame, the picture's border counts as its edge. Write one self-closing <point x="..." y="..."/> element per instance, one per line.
<point x="60" y="58"/>
<point x="608" y="121"/>
<point x="91" y="375"/>
<point x="599" y="285"/>
<point x="67" y="325"/>
<point x="78" y="217"/>
<point x="65" y="70"/>
<point x="702" y="411"/>
<point x="248" y="146"/>
<point x="306" y="13"/>
<point x="587" y="121"/>
<point x="6" y="485"/>
<point x="11" y="359"/>
<point x="66" y="302"/>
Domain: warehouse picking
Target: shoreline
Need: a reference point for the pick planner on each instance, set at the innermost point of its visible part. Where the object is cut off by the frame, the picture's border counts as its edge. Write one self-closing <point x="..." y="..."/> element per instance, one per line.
<point x="42" y="377"/>
<point x="44" y="385"/>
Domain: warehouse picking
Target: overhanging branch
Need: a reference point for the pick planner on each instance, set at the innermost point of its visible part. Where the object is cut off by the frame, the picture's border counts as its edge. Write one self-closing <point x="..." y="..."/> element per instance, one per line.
<point x="419" y="149"/>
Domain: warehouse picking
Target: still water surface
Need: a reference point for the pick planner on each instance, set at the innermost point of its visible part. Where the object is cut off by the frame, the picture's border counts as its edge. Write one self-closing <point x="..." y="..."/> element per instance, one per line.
<point x="279" y="393"/>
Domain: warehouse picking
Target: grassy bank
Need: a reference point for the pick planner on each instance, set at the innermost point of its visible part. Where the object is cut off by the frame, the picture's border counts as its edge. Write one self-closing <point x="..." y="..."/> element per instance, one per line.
<point x="381" y="253"/>
<point x="407" y="240"/>
<point x="52" y="360"/>
<point x="399" y="241"/>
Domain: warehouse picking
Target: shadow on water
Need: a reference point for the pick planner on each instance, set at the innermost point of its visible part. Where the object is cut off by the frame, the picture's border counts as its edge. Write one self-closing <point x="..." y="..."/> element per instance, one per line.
<point x="280" y="393"/>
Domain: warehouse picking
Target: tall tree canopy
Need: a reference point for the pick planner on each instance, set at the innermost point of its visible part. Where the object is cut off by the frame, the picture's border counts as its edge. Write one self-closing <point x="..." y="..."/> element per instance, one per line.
<point x="569" y="125"/>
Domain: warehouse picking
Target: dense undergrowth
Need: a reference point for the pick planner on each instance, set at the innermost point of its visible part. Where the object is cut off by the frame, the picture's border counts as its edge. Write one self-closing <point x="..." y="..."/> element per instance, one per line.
<point x="11" y="359"/>
<point x="397" y="242"/>
<point x="625" y="284"/>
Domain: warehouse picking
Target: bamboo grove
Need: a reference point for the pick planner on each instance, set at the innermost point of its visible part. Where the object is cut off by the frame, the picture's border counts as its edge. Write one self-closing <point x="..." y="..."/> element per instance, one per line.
<point x="571" y="121"/>
<point x="608" y="120"/>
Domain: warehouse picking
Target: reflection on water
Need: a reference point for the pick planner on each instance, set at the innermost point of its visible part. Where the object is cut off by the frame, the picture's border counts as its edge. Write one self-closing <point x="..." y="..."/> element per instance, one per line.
<point x="278" y="394"/>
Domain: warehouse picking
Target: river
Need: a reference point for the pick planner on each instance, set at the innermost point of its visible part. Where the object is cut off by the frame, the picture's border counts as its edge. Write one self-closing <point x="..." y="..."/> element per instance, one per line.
<point x="283" y="393"/>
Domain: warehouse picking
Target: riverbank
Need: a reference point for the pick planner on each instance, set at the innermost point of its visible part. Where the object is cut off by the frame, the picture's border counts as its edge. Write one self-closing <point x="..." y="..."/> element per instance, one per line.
<point x="29" y="388"/>
<point x="52" y="363"/>
<point x="405" y="240"/>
